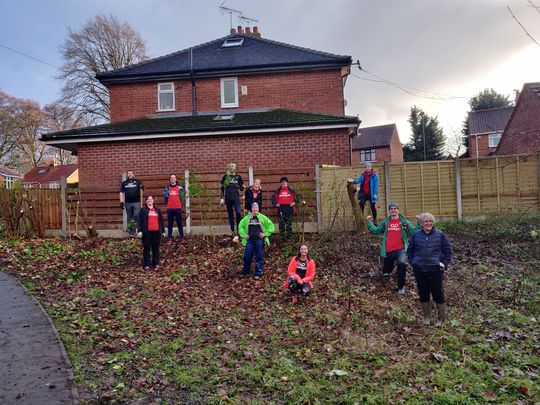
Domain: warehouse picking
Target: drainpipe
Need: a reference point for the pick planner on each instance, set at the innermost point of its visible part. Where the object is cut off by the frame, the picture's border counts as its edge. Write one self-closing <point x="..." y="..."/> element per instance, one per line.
<point x="476" y="139"/>
<point x="193" y="86"/>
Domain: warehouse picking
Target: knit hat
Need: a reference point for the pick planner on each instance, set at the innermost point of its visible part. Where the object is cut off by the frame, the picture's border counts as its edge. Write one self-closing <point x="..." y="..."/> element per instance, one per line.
<point x="393" y="205"/>
<point x="284" y="178"/>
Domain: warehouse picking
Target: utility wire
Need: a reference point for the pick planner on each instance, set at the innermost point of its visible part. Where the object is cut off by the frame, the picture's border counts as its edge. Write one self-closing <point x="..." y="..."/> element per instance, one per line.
<point x="531" y="4"/>
<point x="521" y="25"/>
<point x="30" y="57"/>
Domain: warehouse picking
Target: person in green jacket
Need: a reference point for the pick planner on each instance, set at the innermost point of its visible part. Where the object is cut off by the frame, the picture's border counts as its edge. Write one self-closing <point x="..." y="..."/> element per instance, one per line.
<point x="254" y="229"/>
<point x="396" y="229"/>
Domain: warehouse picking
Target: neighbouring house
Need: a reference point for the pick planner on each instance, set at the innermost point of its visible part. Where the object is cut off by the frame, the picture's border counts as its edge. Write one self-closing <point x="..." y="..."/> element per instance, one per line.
<point x="8" y="177"/>
<point x="50" y="176"/>
<point x="377" y="144"/>
<point x="240" y="98"/>
<point x="522" y="133"/>
<point x="485" y="130"/>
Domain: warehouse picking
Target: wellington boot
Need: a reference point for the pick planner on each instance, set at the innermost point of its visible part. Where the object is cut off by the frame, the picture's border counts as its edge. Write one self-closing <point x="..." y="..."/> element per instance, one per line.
<point x="426" y="311"/>
<point x="441" y="314"/>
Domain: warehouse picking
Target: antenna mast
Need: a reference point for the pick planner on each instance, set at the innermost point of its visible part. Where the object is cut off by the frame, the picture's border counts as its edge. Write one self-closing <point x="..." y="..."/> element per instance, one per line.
<point x="238" y="13"/>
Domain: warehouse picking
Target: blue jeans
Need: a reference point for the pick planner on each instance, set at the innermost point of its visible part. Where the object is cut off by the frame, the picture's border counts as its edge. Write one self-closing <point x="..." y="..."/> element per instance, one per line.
<point x="257" y="247"/>
<point x="173" y="213"/>
<point x="230" y="205"/>
<point x="132" y="213"/>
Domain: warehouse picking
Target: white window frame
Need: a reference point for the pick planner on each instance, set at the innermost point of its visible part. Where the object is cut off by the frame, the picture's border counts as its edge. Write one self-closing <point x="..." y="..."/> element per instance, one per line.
<point x="222" y="85"/>
<point x="9" y="182"/>
<point x="160" y="92"/>
<point x="492" y="136"/>
<point x="372" y="153"/>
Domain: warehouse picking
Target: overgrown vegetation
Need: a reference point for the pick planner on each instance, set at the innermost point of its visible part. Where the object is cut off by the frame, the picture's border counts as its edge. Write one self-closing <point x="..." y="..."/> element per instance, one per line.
<point x="196" y="332"/>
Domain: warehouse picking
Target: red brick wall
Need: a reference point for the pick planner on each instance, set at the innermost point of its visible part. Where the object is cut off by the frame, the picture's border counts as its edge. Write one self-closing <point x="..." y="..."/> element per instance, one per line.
<point x="315" y="91"/>
<point x="381" y="154"/>
<point x="101" y="164"/>
<point x="483" y="146"/>
<point x="396" y="150"/>
<point x="522" y="133"/>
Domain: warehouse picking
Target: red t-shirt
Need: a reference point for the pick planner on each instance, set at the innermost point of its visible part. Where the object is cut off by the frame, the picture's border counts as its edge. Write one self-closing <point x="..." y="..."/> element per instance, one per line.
<point x="285" y="197"/>
<point x="365" y="186"/>
<point x="394" y="241"/>
<point x="153" y="223"/>
<point x="174" y="197"/>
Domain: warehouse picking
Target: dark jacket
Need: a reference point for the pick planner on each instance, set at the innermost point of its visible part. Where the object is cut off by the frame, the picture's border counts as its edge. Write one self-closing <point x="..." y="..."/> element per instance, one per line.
<point x="143" y="219"/>
<point x="231" y="185"/>
<point x="426" y="250"/>
<point x="180" y="190"/>
<point x="250" y="200"/>
<point x="407" y="229"/>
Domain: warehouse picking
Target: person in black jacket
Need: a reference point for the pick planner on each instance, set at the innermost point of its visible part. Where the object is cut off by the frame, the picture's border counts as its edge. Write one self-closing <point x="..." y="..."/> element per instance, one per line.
<point x="131" y="200"/>
<point x="430" y="253"/>
<point x="152" y="227"/>
<point x="231" y="185"/>
<point x="253" y="194"/>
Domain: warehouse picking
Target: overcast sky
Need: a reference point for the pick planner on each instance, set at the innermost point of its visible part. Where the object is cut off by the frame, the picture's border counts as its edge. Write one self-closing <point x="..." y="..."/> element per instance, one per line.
<point x="441" y="51"/>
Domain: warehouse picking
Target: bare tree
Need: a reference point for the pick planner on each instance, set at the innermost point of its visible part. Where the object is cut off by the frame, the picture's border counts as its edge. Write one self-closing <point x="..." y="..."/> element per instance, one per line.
<point x="454" y="143"/>
<point x="9" y="137"/>
<point x="102" y="45"/>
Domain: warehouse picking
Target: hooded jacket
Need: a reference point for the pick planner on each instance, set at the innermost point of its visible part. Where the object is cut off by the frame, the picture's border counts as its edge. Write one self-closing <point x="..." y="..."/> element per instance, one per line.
<point x="373" y="185"/>
<point x="407" y="229"/>
<point x="266" y="224"/>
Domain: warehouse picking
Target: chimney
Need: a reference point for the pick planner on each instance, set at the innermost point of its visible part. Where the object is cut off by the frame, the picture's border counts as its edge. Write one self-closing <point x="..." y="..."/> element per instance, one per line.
<point x="240" y="29"/>
<point x="256" y="32"/>
<point x="247" y="30"/>
<point x="233" y="31"/>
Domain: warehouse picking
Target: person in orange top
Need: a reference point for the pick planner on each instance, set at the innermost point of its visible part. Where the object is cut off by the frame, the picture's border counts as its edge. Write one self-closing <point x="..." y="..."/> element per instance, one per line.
<point x="301" y="273"/>
<point x="152" y="227"/>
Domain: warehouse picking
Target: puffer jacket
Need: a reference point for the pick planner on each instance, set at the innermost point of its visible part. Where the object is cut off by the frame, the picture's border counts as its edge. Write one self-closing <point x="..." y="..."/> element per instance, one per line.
<point x="427" y="250"/>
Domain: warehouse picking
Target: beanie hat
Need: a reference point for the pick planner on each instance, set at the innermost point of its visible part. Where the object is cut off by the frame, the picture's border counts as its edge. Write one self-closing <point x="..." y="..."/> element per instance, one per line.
<point x="393" y="205"/>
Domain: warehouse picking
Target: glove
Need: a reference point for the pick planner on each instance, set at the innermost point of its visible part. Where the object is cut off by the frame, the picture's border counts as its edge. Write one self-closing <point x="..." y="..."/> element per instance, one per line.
<point x="222" y="201"/>
<point x="122" y="206"/>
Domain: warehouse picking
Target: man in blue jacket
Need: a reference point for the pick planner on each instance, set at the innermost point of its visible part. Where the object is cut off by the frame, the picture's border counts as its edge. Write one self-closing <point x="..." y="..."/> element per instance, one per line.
<point x="369" y="189"/>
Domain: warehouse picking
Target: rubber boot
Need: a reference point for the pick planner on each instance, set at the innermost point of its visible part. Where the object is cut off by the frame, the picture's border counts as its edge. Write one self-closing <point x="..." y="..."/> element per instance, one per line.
<point x="426" y="310"/>
<point x="441" y="314"/>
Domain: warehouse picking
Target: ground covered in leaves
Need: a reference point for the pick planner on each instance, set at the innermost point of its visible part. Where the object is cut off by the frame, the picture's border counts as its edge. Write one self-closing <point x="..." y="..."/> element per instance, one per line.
<point x="194" y="332"/>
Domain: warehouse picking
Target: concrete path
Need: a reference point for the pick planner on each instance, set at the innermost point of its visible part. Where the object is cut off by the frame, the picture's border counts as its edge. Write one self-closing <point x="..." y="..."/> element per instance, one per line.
<point x="34" y="368"/>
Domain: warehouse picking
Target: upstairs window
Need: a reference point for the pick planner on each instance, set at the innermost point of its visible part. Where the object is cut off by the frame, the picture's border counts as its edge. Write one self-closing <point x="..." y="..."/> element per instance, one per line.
<point x="165" y="96"/>
<point x="367" y="155"/>
<point x="229" y="92"/>
<point x="494" y="139"/>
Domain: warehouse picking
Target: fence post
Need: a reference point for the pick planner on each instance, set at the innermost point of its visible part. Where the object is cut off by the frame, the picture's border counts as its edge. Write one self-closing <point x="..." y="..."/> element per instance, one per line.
<point x="318" y="197"/>
<point x="124" y="213"/>
<point x="250" y="175"/>
<point x="457" y="173"/>
<point x="188" y="203"/>
<point x="387" y="185"/>
<point x="63" y="190"/>
<point x="538" y="178"/>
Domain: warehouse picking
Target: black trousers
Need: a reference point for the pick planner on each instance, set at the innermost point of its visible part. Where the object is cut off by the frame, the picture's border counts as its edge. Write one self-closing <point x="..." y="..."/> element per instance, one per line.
<point x="362" y="198"/>
<point x="399" y="258"/>
<point x="150" y="242"/>
<point x="430" y="283"/>
<point x="300" y="289"/>
<point x="285" y="213"/>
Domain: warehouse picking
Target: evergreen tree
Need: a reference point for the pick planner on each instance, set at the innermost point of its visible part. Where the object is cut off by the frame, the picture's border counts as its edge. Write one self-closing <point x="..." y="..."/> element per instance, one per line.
<point x="427" y="141"/>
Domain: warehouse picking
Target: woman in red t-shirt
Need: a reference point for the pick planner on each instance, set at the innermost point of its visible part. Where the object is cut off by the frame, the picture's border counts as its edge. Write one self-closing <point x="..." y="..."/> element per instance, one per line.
<point x="301" y="273"/>
<point x="152" y="227"/>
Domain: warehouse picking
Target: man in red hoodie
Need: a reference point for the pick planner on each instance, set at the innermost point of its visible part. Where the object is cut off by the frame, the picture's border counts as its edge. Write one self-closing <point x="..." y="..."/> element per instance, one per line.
<point x="285" y="199"/>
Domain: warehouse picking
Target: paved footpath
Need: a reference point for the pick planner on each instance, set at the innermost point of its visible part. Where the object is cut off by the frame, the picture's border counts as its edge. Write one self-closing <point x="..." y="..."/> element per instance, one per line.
<point x="34" y="368"/>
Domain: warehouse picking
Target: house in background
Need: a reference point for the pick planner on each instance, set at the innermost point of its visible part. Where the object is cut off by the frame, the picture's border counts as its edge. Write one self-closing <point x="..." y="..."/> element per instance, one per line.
<point x="8" y="177"/>
<point x="377" y="144"/>
<point x="239" y="98"/>
<point x="522" y="133"/>
<point x="485" y="130"/>
<point x="50" y="176"/>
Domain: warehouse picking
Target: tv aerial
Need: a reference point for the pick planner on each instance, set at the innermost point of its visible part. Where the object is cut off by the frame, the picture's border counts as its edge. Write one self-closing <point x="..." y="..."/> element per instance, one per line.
<point x="239" y="14"/>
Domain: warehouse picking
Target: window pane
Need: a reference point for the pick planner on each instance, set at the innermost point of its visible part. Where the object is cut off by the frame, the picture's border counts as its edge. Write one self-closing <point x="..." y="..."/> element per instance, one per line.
<point x="229" y="92"/>
<point x="166" y="101"/>
<point x="165" y="87"/>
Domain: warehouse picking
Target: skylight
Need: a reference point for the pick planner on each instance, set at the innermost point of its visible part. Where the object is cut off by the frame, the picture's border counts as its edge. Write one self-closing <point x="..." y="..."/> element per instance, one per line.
<point x="232" y="42"/>
<point x="227" y="117"/>
<point x="41" y="171"/>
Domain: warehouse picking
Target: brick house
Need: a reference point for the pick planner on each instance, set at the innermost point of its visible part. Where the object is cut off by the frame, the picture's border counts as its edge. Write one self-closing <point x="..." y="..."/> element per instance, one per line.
<point x="377" y="144"/>
<point x="485" y="130"/>
<point x="239" y="98"/>
<point x="522" y="133"/>
<point x="50" y="176"/>
<point x="8" y="177"/>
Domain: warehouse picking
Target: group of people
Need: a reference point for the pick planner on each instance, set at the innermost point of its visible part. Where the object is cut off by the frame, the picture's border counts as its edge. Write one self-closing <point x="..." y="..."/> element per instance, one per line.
<point x="425" y="248"/>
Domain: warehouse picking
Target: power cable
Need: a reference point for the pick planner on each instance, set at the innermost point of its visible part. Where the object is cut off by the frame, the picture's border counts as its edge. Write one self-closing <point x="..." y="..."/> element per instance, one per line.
<point x="30" y="57"/>
<point x="521" y="25"/>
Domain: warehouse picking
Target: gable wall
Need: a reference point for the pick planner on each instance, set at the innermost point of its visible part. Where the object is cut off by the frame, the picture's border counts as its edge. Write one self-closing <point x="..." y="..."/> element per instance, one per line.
<point x="314" y="91"/>
<point x="101" y="165"/>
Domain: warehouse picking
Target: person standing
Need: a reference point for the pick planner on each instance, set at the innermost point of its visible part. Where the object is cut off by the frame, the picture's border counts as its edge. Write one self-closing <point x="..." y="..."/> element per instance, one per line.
<point x="130" y="200"/>
<point x="254" y="229"/>
<point x="285" y="199"/>
<point x="396" y="229"/>
<point x="231" y="185"/>
<point x="369" y="189"/>
<point x="173" y="195"/>
<point x="430" y="253"/>
<point x="301" y="272"/>
<point x="152" y="227"/>
<point x="253" y="194"/>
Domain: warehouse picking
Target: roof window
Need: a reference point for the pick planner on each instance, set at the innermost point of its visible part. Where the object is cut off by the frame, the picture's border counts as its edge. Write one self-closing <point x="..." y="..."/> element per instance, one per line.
<point x="41" y="171"/>
<point x="226" y="117"/>
<point x="232" y="42"/>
